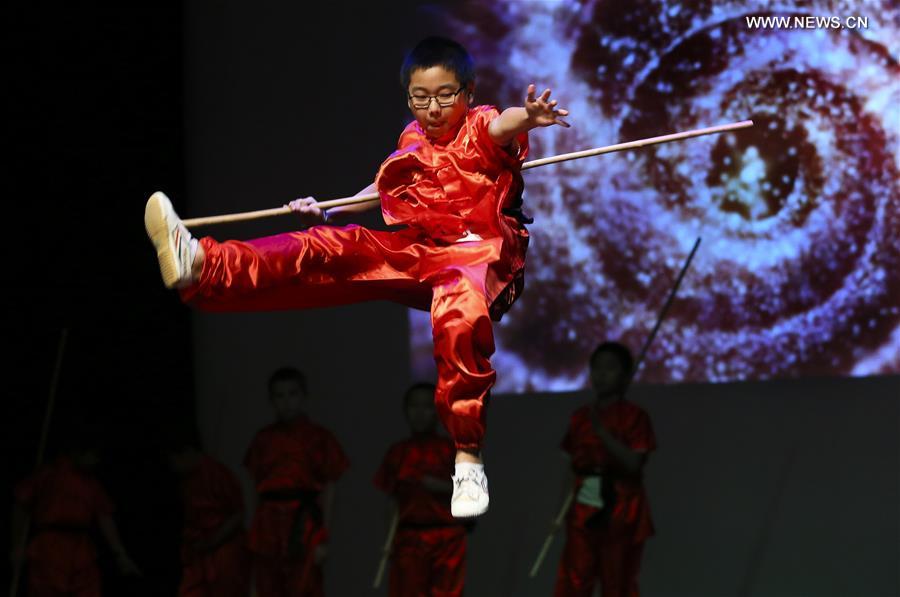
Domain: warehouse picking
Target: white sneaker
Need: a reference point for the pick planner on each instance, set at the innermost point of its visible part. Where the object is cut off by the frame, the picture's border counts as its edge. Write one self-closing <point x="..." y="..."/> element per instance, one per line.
<point x="175" y="248"/>
<point x="470" y="491"/>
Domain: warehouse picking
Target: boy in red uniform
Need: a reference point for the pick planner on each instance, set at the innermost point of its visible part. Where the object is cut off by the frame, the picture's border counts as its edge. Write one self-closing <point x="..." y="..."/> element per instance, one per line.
<point x="65" y="501"/>
<point x="609" y="521"/>
<point x="214" y="553"/>
<point x="294" y="464"/>
<point x="428" y="554"/>
<point x="455" y="182"/>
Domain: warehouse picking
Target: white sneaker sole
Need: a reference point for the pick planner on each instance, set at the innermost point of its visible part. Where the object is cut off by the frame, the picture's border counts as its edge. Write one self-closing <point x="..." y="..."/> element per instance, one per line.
<point x="468" y="509"/>
<point x="156" y="221"/>
<point x="463" y="505"/>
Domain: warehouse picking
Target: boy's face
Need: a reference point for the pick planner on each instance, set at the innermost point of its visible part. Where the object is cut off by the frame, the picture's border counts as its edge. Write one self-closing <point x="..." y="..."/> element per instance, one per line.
<point x="288" y="399"/>
<point x="437" y="120"/>
<point x="606" y="373"/>
<point x="420" y="411"/>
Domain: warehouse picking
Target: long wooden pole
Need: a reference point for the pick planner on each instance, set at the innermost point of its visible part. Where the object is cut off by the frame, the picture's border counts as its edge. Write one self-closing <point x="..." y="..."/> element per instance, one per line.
<point x="557" y="523"/>
<point x="565" y="157"/>
<point x="664" y="311"/>
<point x="386" y="551"/>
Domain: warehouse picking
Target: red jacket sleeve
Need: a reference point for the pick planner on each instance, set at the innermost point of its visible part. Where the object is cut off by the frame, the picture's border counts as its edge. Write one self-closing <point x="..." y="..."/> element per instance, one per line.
<point x="333" y="459"/>
<point x="228" y="490"/>
<point x="386" y="476"/>
<point x="495" y="156"/>
<point x="572" y="441"/>
<point x="640" y="436"/>
<point x="409" y="136"/>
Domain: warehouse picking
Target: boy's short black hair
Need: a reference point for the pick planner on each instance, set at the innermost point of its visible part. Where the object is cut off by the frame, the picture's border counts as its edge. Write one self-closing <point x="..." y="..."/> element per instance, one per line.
<point x="438" y="51"/>
<point x="621" y="352"/>
<point x="287" y="374"/>
<point x="422" y="385"/>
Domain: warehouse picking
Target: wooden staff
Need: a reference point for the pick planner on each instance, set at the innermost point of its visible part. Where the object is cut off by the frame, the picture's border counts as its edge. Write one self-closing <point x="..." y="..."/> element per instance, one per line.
<point x="557" y="523"/>
<point x="386" y="550"/>
<point x="570" y="497"/>
<point x="565" y="157"/>
<point x="39" y="460"/>
<point x="663" y="311"/>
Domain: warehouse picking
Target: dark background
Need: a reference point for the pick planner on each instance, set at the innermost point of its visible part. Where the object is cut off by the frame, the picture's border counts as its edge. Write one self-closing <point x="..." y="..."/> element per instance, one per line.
<point x="774" y="488"/>
<point x="95" y="124"/>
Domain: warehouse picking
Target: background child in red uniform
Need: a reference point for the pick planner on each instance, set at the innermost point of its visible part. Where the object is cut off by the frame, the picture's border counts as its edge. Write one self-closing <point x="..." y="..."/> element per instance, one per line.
<point x="294" y="464"/>
<point x="65" y="504"/>
<point x="609" y="521"/>
<point x="455" y="182"/>
<point x="428" y="554"/>
<point x="214" y="553"/>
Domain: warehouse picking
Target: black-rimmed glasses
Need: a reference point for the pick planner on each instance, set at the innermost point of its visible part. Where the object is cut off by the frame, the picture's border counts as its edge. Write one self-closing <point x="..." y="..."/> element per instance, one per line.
<point x="420" y="101"/>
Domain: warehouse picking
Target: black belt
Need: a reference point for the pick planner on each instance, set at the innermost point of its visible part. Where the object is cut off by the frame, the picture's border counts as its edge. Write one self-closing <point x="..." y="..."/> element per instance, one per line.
<point x="309" y="507"/>
<point x="517" y="213"/>
<point x="289" y="495"/>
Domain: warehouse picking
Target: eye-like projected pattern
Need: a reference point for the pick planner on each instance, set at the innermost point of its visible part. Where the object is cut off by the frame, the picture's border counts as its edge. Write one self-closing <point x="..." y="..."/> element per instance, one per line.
<point x="799" y="270"/>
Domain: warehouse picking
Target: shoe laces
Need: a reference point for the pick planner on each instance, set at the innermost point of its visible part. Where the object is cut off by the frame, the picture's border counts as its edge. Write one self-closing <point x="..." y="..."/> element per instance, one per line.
<point x="471" y="483"/>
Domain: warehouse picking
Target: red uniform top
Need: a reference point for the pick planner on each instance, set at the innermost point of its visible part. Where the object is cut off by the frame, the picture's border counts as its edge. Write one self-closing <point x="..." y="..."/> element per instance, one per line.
<point x="211" y="496"/>
<point x="283" y="457"/>
<point x="463" y="182"/>
<point x="64" y="504"/>
<point x="630" y="424"/>
<point x="400" y="475"/>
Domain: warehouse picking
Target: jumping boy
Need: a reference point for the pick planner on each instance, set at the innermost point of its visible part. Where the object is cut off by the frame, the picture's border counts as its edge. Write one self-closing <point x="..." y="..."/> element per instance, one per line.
<point x="429" y="549"/>
<point x="455" y="182"/>
<point x="609" y="521"/>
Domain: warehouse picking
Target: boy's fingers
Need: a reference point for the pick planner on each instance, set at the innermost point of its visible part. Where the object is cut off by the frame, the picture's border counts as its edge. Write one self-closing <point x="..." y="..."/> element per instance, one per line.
<point x="530" y="96"/>
<point x="562" y="112"/>
<point x="562" y="122"/>
<point x="546" y="95"/>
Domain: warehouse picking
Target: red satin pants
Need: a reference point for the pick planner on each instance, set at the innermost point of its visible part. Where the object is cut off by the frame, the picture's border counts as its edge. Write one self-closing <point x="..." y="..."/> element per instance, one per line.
<point x="428" y="563"/>
<point x="62" y="564"/>
<point x="327" y="266"/>
<point x="592" y="553"/>
<point x="222" y="573"/>
<point x="84" y="582"/>
<point x="280" y="576"/>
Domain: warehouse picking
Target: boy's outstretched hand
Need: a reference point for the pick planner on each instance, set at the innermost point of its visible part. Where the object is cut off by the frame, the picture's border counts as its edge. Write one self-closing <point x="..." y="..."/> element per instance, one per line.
<point x="538" y="111"/>
<point x="542" y="110"/>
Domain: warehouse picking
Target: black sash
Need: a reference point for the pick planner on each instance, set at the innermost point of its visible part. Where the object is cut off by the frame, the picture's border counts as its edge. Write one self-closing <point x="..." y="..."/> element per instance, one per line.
<point x="309" y="507"/>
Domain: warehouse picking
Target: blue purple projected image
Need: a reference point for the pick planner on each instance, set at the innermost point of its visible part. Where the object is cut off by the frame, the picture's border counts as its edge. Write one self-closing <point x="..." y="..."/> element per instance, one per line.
<point x="799" y="270"/>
